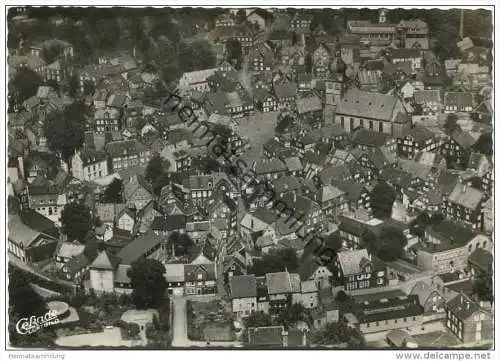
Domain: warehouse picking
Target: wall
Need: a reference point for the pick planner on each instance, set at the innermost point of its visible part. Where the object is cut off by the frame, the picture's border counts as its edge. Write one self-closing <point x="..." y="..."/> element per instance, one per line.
<point x="101" y="280"/>
<point x="391" y="324"/>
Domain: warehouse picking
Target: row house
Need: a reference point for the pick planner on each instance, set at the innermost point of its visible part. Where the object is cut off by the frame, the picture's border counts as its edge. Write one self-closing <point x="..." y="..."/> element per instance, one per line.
<point x="137" y="192"/>
<point x="268" y="169"/>
<point x="27" y="244"/>
<point x="286" y="94"/>
<point x="448" y="246"/>
<point x="385" y="311"/>
<point x="301" y="23"/>
<point x="89" y="164"/>
<point x="332" y="200"/>
<point x="415" y="34"/>
<point x="458" y="147"/>
<point x="310" y="111"/>
<point x="225" y="20"/>
<point x="264" y="100"/>
<point x="243" y="290"/>
<point x="123" y="154"/>
<point x="358" y="270"/>
<point x="418" y="139"/>
<point x="200" y="279"/>
<point x="356" y="193"/>
<point x="47" y="200"/>
<point x="469" y="320"/>
<point x="464" y="205"/>
<point x="281" y="38"/>
<point x="260" y="58"/>
<point x="381" y="34"/>
<point x="458" y="102"/>
<point x="414" y="56"/>
<point x="197" y="189"/>
<point x="305" y="211"/>
<point x="429" y="101"/>
<point x="196" y="81"/>
<point x="379" y="112"/>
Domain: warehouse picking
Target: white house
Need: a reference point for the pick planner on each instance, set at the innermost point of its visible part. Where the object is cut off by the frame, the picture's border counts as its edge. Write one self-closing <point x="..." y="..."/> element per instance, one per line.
<point x="89" y="165"/>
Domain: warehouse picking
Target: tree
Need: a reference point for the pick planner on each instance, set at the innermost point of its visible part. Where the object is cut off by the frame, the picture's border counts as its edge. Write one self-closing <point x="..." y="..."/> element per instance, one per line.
<point x="23" y="300"/>
<point x="26" y="83"/>
<point x="65" y="130"/>
<point x="157" y="172"/>
<point x="284" y="123"/>
<point x="338" y="332"/>
<point x="76" y="221"/>
<point x="258" y="319"/>
<point x="382" y="200"/>
<point x="450" y="124"/>
<point x="113" y="192"/>
<point x="182" y="243"/>
<point x="148" y="283"/>
<point x="484" y="144"/>
<point x="293" y="314"/>
<point x="73" y="86"/>
<point x="389" y="245"/>
<point x="234" y="53"/>
<point x="156" y="167"/>
<point x="51" y="53"/>
<point x="197" y="55"/>
<point x="241" y="15"/>
<point x="483" y="286"/>
<point x="88" y="87"/>
<point x="275" y="261"/>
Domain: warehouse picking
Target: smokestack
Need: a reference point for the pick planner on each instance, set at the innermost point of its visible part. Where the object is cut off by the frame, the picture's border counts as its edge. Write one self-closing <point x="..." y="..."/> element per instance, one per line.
<point x="461" y="30"/>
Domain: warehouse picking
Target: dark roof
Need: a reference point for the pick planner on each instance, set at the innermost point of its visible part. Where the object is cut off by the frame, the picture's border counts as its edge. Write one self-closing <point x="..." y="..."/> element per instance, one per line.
<point x="352" y="190"/>
<point x="38" y="222"/>
<point x="365" y="104"/>
<point x="139" y="246"/>
<point x="285" y="90"/>
<point x="451" y="235"/>
<point x="396" y="176"/>
<point x="243" y="286"/>
<point x="463" y="307"/>
<point x="175" y="222"/>
<point x="463" y="138"/>
<point x="191" y="271"/>
<point x="481" y="258"/>
<point x="419" y="133"/>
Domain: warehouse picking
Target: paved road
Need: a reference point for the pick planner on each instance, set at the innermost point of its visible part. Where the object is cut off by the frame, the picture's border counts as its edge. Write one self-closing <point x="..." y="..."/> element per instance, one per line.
<point x="180" y="338"/>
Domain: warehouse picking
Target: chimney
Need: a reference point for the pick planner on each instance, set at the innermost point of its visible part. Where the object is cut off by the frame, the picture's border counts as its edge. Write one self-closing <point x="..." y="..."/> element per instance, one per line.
<point x="251" y="223"/>
<point x="294" y="196"/>
<point x="284" y="335"/>
<point x="464" y="188"/>
<point x="304" y="339"/>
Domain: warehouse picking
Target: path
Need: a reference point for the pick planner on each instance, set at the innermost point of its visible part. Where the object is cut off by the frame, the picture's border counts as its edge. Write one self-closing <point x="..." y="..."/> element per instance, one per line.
<point x="108" y="338"/>
<point x="141" y="318"/>
<point x="180" y="338"/>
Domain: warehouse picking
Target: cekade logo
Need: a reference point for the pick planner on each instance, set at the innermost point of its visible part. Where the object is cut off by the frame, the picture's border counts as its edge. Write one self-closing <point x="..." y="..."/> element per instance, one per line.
<point x="27" y="326"/>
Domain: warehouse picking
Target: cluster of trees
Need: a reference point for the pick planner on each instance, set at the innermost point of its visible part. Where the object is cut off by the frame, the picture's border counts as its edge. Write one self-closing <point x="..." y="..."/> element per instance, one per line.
<point x="148" y="284"/>
<point x="25" y="302"/>
<point x="114" y="192"/>
<point x="382" y="199"/>
<point x="275" y="261"/>
<point x="335" y="333"/>
<point x="388" y="245"/>
<point x="76" y="221"/>
<point x="182" y="243"/>
<point x="65" y="129"/>
<point x="157" y="172"/>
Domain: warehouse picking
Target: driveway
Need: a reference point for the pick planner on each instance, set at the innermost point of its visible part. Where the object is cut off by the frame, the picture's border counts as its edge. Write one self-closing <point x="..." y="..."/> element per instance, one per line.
<point x="180" y="338"/>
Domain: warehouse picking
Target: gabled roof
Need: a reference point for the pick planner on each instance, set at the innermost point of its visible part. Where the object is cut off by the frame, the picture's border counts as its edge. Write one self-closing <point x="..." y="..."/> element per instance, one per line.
<point x="459" y="98"/>
<point x="466" y="196"/>
<point x="351" y="261"/>
<point x="243" y="286"/>
<point x="464" y="307"/>
<point x="309" y="104"/>
<point x="285" y="90"/>
<point x="367" y="105"/>
<point x="481" y="258"/>
<point x="463" y="138"/>
<point x="278" y="283"/>
<point x="105" y="261"/>
<point x="369" y="137"/>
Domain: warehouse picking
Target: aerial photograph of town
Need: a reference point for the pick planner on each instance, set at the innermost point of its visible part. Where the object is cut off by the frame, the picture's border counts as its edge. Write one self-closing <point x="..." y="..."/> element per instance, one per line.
<point x="249" y="178"/>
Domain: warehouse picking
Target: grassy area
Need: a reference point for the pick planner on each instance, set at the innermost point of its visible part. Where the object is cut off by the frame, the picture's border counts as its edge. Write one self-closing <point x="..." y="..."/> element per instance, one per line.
<point x="208" y="321"/>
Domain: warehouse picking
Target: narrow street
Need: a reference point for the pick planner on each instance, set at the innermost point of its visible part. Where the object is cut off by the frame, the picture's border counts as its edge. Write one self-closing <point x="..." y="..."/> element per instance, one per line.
<point x="180" y="338"/>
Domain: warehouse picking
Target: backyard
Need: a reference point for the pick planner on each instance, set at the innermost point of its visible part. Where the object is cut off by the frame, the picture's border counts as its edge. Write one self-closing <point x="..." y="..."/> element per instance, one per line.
<point x="209" y="321"/>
